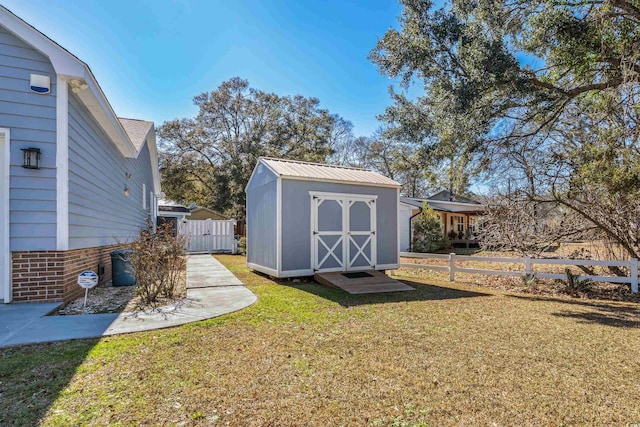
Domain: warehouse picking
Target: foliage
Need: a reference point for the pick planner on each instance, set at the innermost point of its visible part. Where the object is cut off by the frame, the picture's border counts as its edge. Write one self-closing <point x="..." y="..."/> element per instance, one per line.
<point x="242" y="245"/>
<point x="541" y="93"/>
<point x="208" y="159"/>
<point x="530" y="228"/>
<point x="427" y="232"/>
<point x="529" y="280"/>
<point x="410" y="418"/>
<point x="158" y="262"/>
<point x="575" y="286"/>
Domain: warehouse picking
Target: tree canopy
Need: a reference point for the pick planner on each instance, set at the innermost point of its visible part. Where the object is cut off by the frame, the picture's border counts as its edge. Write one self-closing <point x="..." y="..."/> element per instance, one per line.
<point x="208" y="159"/>
<point x="541" y="93"/>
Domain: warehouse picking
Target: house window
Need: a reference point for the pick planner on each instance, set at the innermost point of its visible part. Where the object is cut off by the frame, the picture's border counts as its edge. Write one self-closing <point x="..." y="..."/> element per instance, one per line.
<point x="144" y="196"/>
<point x="457" y="223"/>
<point x="473" y="224"/>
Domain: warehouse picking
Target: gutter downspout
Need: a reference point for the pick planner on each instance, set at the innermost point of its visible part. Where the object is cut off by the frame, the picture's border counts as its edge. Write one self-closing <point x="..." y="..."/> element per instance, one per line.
<point x="411" y="228"/>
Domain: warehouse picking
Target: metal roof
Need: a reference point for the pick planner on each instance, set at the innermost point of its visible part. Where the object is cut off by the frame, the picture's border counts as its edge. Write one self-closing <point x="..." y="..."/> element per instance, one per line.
<point x="456" y="207"/>
<point x="295" y="169"/>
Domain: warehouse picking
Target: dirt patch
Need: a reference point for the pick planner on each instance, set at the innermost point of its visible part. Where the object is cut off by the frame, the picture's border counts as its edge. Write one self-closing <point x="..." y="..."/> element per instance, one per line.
<point x="107" y="298"/>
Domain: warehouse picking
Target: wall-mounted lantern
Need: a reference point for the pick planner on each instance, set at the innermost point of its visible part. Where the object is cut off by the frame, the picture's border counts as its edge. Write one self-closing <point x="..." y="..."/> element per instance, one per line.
<point x="126" y="191"/>
<point x="31" y="158"/>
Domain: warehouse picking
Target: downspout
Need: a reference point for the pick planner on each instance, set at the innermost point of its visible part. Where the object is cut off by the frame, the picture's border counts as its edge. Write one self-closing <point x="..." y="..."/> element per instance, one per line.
<point x="411" y="228"/>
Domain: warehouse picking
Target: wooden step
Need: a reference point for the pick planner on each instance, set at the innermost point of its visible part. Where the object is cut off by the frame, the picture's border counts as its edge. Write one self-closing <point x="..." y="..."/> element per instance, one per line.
<point x="375" y="282"/>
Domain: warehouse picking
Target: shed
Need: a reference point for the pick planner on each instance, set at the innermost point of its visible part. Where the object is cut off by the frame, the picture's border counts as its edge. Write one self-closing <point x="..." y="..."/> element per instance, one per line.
<point x="307" y="218"/>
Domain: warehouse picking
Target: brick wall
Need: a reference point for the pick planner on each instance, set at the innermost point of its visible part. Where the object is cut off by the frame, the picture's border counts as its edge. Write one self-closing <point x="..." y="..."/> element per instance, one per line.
<point x="51" y="276"/>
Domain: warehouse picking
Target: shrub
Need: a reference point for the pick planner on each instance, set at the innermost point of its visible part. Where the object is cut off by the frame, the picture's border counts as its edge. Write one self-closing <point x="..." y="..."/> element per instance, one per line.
<point x="574" y="286"/>
<point x="242" y="246"/>
<point x="427" y="232"/>
<point x="158" y="262"/>
<point x="529" y="280"/>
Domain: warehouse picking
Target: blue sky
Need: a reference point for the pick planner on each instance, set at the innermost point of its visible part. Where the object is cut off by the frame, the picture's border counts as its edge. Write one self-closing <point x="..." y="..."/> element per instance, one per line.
<point x="152" y="56"/>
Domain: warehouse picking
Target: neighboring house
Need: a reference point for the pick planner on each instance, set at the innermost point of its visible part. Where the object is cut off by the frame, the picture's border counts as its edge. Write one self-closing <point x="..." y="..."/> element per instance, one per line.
<point x="170" y="212"/>
<point x="206" y="213"/>
<point x="76" y="179"/>
<point x="458" y="217"/>
<point x="305" y="218"/>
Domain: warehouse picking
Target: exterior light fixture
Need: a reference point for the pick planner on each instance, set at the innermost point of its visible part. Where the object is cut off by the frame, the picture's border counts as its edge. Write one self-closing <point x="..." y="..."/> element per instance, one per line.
<point x="31" y="158"/>
<point x="126" y="191"/>
<point x="78" y="85"/>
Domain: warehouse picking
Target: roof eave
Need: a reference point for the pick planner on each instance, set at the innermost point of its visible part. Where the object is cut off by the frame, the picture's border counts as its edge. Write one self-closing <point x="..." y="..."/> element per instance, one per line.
<point x="69" y="67"/>
<point x="338" y="181"/>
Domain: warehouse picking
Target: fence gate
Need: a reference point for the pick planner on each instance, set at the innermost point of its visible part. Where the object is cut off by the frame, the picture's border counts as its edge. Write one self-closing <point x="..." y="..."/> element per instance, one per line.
<point x="209" y="235"/>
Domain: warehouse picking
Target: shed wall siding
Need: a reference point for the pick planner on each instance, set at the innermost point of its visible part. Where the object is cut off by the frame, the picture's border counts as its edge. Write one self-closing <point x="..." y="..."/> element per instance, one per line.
<point x="31" y="117"/>
<point x="262" y="220"/>
<point x="99" y="212"/>
<point x="296" y="220"/>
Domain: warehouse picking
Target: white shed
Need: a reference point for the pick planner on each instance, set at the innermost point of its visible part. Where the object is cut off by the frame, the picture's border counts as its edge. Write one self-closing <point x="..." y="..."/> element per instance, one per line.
<point x="307" y="218"/>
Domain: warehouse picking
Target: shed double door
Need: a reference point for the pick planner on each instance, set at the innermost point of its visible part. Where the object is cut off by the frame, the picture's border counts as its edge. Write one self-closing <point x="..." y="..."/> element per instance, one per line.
<point x="344" y="232"/>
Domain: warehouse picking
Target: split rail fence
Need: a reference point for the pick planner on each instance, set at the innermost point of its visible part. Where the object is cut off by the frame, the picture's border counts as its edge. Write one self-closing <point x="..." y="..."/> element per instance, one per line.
<point x="452" y="267"/>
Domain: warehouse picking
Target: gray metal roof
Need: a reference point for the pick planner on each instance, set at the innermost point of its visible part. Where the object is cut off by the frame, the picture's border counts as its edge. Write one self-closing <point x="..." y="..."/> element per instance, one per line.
<point x="295" y="169"/>
<point x="444" y="206"/>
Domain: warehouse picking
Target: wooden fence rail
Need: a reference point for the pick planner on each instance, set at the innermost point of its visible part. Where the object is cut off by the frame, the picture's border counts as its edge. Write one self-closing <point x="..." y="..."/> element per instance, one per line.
<point x="528" y="269"/>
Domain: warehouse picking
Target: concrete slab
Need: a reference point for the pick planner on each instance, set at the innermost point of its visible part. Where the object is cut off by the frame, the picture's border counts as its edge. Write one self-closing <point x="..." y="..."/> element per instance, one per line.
<point x="208" y="295"/>
<point x="204" y="271"/>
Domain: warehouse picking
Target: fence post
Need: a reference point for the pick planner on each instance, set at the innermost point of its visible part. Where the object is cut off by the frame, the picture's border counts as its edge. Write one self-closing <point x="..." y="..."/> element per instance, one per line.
<point x="452" y="267"/>
<point x="527" y="265"/>
<point x="634" y="275"/>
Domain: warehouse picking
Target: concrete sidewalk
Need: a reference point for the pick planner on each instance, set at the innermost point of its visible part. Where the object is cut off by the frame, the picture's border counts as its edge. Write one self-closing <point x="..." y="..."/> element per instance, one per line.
<point x="211" y="291"/>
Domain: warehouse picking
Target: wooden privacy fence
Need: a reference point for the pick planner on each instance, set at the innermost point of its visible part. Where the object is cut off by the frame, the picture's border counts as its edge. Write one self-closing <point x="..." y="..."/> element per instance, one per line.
<point x="209" y="235"/>
<point x="528" y="264"/>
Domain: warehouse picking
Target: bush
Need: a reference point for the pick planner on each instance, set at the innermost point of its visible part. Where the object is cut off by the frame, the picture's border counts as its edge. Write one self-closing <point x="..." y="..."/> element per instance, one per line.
<point x="158" y="262"/>
<point x="242" y="246"/>
<point x="574" y="286"/>
<point x="427" y="232"/>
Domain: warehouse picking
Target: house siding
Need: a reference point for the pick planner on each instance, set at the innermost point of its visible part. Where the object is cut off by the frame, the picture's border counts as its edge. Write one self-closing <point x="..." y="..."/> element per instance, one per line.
<point x="296" y="222"/>
<point x="31" y="117"/>
<point x="99" y="212"/>
<point x="262" y="219"/>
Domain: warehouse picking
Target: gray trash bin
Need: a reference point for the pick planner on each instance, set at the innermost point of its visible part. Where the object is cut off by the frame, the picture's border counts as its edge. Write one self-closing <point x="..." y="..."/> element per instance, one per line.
<point x="122" y="273"/>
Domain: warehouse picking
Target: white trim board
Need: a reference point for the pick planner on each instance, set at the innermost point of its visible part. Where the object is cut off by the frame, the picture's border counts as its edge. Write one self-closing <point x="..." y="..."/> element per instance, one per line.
<point x="5" y="250"/>
<point x="62" y="165"/>
<point x="297" y="273"/>
<point x="338" y="181"/>
<point x="279" y="227"/>
<point x="263" y="269"/>
<point x="387" y="266"/>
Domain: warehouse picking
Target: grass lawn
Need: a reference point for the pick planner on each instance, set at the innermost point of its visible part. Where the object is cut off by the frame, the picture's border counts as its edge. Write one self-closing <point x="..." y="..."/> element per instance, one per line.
<point x="308" y="355"/>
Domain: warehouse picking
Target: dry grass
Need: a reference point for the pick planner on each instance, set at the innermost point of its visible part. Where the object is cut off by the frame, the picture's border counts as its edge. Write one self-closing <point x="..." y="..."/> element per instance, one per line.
<point x="546" y="287"/>
<point x="307" y="355"/>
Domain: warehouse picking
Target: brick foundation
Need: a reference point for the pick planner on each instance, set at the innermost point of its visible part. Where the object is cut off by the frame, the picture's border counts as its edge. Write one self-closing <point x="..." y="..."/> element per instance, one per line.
<point x="51" y="276"/>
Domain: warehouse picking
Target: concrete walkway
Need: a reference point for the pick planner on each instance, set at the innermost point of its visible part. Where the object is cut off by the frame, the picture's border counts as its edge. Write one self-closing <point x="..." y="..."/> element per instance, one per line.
<point x="211" y="291"/>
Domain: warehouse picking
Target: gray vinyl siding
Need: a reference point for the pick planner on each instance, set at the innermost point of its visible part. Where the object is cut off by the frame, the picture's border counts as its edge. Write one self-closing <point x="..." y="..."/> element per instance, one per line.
<point x="262" y="219"/>
<point x="31" y="118"/>
<point x="296" y="220"/>
<point x="99" y="212"/>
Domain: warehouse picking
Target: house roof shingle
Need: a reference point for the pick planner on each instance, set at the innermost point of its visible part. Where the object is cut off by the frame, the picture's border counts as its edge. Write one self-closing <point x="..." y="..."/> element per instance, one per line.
<point x="137" y="130"/>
